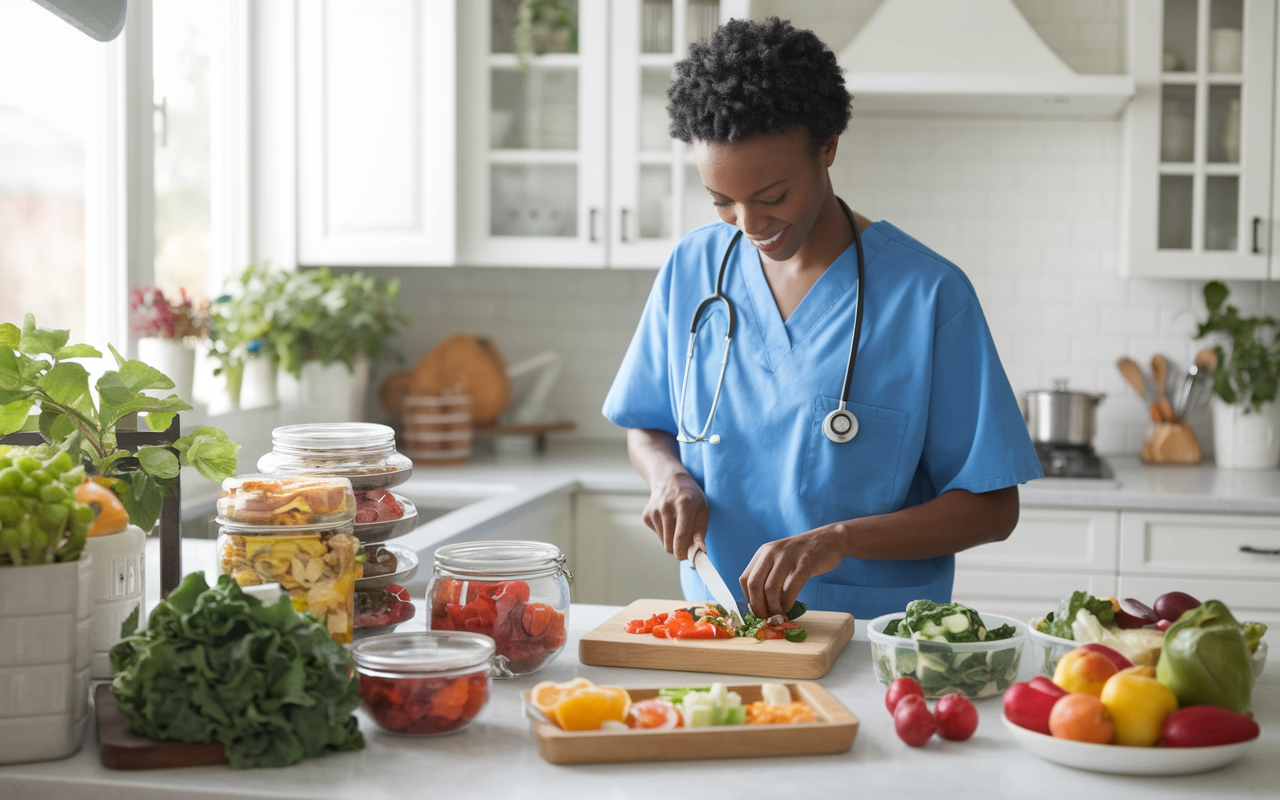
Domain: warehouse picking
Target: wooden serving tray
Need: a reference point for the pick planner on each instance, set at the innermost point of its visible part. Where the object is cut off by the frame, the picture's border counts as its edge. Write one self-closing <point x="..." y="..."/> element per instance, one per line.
<point x="609" y="645"/>
<point x="121" y="748"/>
<point x="834" y="732"/>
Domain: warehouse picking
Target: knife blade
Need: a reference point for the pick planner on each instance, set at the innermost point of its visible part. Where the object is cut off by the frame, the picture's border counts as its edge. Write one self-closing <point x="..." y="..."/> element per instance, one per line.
<point x="716" y="585"/>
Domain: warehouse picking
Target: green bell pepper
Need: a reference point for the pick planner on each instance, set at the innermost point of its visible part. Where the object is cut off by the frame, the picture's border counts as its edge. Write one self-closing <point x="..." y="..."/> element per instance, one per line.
<point x="1205" y="659"/>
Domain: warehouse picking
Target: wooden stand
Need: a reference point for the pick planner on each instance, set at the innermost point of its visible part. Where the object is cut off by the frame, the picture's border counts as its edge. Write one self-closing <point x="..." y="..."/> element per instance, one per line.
<point x="1171" y="443"/>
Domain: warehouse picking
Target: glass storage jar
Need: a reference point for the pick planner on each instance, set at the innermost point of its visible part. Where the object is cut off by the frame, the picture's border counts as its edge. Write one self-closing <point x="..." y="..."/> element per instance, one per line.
<point x="427" y="683"/>
<point x="297" y="532"/>
<point x="515" y="592"/>
<point x="364" y="453"/>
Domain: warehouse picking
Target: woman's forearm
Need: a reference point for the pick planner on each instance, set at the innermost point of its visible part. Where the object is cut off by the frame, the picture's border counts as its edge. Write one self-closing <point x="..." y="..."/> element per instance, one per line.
<point x="949" y="523"/>
<point x="655" y="454"/>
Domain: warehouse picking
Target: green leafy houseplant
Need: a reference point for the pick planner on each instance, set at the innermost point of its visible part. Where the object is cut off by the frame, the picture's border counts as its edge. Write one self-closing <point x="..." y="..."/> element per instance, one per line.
<point x="37" y="368"/>
<point x="239" y="328"/>
<point x="1249" y="372"/>
<point x="331" y="318"/>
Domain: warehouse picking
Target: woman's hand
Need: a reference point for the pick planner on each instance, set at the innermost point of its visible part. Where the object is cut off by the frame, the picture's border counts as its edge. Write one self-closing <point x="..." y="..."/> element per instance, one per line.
<point x="677" y="512"/>
<point x="780" y="569"/>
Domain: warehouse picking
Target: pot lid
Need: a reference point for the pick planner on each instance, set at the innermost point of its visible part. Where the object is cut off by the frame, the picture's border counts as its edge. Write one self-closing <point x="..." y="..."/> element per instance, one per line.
<point x="1060" y="387"/>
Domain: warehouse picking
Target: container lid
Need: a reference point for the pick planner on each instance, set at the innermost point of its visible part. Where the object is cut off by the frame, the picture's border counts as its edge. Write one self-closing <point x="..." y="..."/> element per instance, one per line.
<point x="336" y="437"/>
<point x="501" y="558"/>
<point x="271" y="501"/>
<point x="425" y="651"/>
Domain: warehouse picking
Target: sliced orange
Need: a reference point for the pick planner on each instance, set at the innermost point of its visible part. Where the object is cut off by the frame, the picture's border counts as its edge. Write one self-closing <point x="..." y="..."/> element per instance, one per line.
<point x="587" y="709"/>
<point x="549" y="694"/>
<point x="109" y="513"/>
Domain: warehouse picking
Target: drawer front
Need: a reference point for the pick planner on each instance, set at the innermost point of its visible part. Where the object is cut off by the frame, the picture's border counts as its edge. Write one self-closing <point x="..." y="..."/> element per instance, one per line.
<point x="1200" y="545"/>
<point x="1025" y="594"/>
<point x="1058" y="539"/>
<point x="1249" y="601"/>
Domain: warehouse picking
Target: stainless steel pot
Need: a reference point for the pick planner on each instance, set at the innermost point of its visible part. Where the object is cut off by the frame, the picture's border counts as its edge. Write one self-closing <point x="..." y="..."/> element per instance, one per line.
<point x="1061" y="417"/>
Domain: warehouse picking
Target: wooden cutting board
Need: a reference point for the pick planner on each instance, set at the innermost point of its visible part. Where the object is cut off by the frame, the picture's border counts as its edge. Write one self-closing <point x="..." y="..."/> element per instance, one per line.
<point x="121" y="748"/>
<point x="611" y="646"/>
<point x="833" y="732"/>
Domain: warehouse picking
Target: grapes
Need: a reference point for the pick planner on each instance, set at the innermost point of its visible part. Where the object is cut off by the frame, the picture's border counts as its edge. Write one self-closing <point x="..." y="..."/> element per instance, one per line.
<point x="40" y="520"/>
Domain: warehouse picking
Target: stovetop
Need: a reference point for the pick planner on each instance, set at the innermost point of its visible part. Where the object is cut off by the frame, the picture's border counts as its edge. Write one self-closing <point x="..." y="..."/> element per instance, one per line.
<point x="1072" y="462"/>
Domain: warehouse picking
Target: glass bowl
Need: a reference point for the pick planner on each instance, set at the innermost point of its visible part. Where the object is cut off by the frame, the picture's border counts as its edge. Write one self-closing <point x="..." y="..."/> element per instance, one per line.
<point x="977" y="669"/>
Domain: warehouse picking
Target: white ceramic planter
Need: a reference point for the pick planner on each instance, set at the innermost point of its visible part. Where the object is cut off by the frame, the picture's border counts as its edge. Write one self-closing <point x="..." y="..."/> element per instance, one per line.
<point x="258" y="387"/>
<point x="117" y="586"/>
<point x="324" y="393"/>
<point x="45" y="624"/>
<point x="173" y="358"/>
<point x="1246" y="441"/>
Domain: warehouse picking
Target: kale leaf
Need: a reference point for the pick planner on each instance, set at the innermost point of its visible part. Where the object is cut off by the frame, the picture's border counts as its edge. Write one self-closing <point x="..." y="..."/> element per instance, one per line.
<point x="1058" y="623"/>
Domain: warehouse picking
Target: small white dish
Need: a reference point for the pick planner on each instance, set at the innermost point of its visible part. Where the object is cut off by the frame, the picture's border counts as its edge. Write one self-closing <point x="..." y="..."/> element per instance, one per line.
<point x="1120" y="760"/>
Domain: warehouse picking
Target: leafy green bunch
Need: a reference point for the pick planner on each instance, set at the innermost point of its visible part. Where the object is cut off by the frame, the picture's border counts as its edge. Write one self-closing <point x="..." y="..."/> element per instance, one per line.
<point x="39" y="368"/>
<point x="331" y="318"/>
<point x="217" y="665"/>
<point x="238" y="324"/>
<point x="1248" y="374"/>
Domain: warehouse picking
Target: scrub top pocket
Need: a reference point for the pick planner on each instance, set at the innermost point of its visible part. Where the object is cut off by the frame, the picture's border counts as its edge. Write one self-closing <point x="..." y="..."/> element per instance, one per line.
<point x="859" y="476"/>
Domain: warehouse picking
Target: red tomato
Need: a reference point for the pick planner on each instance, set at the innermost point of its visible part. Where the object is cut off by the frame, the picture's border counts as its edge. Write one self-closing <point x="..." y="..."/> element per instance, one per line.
<point x="654" y="713"/>
<point x="957" y="717"/>
<point x="900" y="688"/>
<point x="913" y="722"/>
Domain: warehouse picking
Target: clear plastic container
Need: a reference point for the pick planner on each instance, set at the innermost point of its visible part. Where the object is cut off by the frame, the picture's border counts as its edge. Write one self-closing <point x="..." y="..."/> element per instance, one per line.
<point x="297" y="532"/>
<point x="364" y="453"/>
<point x="429" y="683"/>
<point x="1048" y="649"/>
<point x="272" y="501"/>
<point x="978" y="669"/>
<point x="515" y="592"/>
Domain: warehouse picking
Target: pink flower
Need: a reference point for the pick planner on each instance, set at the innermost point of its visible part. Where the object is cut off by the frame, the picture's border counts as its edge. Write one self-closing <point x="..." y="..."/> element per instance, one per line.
<point x="152" y="314"/>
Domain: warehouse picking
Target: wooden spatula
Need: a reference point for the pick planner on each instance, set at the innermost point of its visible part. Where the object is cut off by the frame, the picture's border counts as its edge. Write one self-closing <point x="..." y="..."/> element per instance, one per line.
<point x="1160" y="376"/>
<point x="1133" y="374"/>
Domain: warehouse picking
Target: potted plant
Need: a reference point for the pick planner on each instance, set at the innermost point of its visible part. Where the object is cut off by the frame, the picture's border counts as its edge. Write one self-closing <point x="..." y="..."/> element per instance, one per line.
<point x="167" y="331"/>
<point x="1246" y="416"/>
<point x="239" y="334"/>
<point x="326" y="329"/>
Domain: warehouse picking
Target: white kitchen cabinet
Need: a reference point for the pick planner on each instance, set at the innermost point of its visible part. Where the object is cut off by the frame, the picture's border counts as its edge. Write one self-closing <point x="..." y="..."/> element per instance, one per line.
<point x="617" y="557"/>
<point x="376" y="98"/>
<point x="565" y="160"/>
<point x="1199" y="139"/>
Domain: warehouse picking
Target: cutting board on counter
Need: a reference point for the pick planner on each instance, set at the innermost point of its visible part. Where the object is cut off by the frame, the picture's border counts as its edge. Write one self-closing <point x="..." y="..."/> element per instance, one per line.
<point x="609" y="645"/>
<point x="121" y="748"/>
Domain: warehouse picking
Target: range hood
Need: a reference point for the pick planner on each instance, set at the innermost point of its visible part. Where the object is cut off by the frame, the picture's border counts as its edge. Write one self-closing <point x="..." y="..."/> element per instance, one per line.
<point x="968" y="58"/>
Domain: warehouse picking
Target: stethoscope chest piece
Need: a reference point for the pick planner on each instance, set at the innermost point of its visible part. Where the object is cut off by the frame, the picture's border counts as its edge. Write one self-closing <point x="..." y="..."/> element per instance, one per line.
<point x="840" y="426"/>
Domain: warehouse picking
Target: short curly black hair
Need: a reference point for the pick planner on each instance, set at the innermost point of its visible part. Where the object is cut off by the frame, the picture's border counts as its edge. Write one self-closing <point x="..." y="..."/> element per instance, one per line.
<point x="753" y="78"/>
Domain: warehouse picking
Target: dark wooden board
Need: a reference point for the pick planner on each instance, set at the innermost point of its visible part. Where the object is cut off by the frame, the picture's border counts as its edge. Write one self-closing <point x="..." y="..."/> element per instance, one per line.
<point x="121" y="748"/>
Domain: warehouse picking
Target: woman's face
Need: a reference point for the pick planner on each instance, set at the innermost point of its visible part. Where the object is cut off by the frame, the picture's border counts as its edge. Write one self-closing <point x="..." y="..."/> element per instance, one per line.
<point x="771" y="187"/>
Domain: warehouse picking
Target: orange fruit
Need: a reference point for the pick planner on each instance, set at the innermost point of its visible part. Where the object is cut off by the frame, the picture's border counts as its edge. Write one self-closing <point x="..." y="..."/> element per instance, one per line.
<point x="109" y="514"/>
<point x="549" y="694"/>
<point x="586" y="709"/>
<point x="1081" y="718"/>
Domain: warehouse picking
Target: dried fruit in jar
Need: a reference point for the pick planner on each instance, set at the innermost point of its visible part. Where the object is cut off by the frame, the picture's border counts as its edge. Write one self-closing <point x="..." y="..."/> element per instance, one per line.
<point x="526" y="634"/>
<point x="377" y="505"/>
<point x="424" y="705"/>
<point x="262" y="500"/>
<point x="377" y="608"/>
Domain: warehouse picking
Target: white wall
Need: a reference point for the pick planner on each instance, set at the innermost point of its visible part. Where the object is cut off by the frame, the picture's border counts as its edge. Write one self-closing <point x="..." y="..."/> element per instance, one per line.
<point x="1030" y="211"/>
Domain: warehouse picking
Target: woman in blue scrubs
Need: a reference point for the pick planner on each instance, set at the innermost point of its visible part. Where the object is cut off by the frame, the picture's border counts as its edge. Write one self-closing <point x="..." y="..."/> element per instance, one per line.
<point x="865" y="525"/>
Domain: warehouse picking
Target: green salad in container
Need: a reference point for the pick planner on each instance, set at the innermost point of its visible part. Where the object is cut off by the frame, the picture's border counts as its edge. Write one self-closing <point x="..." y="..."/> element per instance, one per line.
<point x="947" y="647"/>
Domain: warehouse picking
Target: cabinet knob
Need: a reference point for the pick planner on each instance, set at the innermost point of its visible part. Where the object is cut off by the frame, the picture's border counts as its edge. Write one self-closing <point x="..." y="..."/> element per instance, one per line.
<point x="1257" y="224"/>
<point x="1258" y="551"/>
<point x="595" y="212"/>
<point x="622" y="226"/>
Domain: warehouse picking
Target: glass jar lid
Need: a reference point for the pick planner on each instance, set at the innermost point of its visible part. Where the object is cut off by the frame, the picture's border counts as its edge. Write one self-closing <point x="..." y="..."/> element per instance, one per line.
<point x="504" y="559"/>
<point x="269" y="501"/>
<point x="334" y="437"/>
<point x="424" y="652"/>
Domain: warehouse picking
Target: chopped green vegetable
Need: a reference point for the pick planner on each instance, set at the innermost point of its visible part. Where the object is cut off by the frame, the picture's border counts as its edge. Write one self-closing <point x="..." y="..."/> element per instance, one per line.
<point x="217" y="665"/>
<point x="796" y="634"/>
<point x="931" y="660"/>
<point x="951" y="622"/>
<point x="1058" y="623"/>
<point x="1253" y="632"/>
<point x="716" y="705"/>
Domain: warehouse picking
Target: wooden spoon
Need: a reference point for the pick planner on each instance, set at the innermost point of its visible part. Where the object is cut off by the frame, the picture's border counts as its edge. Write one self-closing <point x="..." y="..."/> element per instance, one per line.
<point x="1133" y="374"/>
<point x="1207" y="360"/>
<point x="1160" y="376"/>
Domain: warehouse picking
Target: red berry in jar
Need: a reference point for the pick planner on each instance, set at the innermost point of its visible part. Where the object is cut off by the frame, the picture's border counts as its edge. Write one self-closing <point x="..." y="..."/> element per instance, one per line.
<point x="424" y="683"/>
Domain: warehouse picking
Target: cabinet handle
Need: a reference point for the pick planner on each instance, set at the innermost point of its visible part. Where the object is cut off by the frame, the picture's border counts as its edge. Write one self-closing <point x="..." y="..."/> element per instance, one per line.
<point x="594" y="213"/>
<point x="622" y="226"/>
<point x="1257" y="223"/>
<point x="1244" y="548"/>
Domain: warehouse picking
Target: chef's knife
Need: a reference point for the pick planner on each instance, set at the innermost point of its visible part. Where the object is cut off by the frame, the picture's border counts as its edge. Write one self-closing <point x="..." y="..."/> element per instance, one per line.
<point x="716" y="585"/>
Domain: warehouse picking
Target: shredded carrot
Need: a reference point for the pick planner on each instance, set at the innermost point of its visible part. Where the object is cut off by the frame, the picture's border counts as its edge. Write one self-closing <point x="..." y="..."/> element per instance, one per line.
<point x="760" y="714"/>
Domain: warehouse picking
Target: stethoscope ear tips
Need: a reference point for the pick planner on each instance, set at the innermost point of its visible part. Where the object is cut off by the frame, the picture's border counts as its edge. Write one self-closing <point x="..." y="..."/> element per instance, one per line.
<point x="840" y="426"/>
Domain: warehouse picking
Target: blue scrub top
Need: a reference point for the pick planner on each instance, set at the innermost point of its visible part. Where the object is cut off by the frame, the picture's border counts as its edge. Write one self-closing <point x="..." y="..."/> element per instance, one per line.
<point x="934" y="406"/>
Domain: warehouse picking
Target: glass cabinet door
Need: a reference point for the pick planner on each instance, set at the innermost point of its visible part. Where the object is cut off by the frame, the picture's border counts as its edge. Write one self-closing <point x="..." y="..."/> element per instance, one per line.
<point x="657" y="196"/>
<point x="535" y="185"/>
<point x="1211" y="88"/>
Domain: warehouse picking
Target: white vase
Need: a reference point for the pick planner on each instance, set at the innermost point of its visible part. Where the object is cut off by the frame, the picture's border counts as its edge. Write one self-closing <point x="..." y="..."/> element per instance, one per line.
<point x="1246" y="441"/>
<point x="258" y="387"/>
<point x="117" y="587"/>
<point x="173" y="358"/>
<point x="324" y="393"/>
<point x="45" y="624"/>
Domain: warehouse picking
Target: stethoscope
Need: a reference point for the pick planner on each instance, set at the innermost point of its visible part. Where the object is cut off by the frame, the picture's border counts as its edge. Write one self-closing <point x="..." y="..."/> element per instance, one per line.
<point x="840" y="425"/>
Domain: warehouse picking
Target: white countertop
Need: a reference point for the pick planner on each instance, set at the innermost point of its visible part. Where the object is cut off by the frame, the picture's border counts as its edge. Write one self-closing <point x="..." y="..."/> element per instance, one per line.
<point x="497" y="757"/>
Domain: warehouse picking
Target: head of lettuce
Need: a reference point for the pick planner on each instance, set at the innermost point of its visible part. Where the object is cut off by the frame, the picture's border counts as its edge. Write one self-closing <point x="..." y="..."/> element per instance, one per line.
<point x="1206" y="660"/>
<point x="216" y="665"/>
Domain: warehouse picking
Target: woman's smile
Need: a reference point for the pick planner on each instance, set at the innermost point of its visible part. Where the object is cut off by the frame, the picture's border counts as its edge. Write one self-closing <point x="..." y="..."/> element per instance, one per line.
<point x="772" y="243"/>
